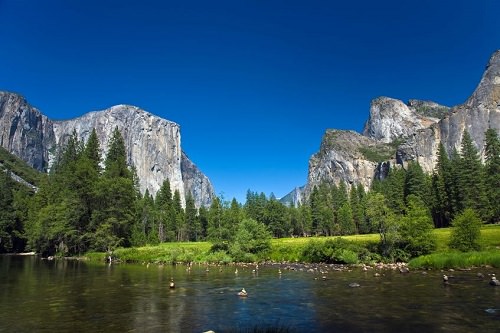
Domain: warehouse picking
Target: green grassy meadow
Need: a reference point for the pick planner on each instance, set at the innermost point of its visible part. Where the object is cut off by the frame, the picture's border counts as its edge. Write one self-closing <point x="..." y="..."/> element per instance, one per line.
<point x="291" y="249"/>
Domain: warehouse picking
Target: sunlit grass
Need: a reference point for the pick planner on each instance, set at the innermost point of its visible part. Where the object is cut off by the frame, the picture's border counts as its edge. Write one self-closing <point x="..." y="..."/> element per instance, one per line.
<point x="445" y="260"/>
<point x="291" y="250"/>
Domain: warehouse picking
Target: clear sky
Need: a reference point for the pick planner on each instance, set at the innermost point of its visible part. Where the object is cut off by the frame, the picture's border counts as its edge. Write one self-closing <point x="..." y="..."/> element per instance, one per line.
<point x="253" y="84"/>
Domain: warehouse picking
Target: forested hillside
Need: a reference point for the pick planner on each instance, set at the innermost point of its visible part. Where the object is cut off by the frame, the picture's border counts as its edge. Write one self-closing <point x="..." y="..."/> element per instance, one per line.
<point x="86" y="204"/>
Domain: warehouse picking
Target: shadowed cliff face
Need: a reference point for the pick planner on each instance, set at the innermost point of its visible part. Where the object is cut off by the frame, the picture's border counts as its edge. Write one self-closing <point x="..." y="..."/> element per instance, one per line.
<point x="396" y="133"/>
<point x="153" y="144"/>
<point x="24" y="131"/>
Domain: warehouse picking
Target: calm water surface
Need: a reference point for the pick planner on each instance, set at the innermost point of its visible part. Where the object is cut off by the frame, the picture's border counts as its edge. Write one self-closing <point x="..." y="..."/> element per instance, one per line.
<point x="72" y="296"/>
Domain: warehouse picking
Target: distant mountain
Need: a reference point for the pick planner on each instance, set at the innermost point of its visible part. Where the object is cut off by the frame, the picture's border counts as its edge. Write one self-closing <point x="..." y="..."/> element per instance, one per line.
<point x="153" y="144"/>
<point x="294" y="197"/>
<point x="398" y="132"/>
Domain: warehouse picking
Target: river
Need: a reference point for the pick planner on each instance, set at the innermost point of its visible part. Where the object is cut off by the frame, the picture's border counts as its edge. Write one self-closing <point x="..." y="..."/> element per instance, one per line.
<point x="39" y="295"/>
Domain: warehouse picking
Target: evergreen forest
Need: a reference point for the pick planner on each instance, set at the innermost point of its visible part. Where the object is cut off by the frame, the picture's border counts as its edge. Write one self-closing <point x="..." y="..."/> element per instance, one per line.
<point x="89" y="202"/>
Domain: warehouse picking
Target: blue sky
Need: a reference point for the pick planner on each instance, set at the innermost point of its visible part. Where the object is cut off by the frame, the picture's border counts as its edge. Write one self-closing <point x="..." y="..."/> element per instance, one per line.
<point x="253" y="84"/>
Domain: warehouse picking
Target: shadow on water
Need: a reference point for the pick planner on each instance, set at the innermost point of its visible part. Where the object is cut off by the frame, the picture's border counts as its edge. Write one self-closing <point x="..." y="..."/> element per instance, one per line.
<point x="59" y="296"/>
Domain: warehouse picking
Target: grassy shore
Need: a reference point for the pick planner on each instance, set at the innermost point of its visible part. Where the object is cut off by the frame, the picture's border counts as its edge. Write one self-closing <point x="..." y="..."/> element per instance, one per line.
<point x="291" y="250"/>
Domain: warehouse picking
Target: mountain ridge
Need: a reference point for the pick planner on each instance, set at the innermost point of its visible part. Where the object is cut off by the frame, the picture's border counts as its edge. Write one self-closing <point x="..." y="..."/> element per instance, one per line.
<point x="153" y="143"/>
<point x="414" y="135"/>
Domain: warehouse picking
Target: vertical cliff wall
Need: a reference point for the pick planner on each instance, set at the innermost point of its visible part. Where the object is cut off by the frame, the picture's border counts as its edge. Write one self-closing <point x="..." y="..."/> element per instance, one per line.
<point x="396" y="133"/>
<point x="153" y="144"/>
<point x="24" y="131"/>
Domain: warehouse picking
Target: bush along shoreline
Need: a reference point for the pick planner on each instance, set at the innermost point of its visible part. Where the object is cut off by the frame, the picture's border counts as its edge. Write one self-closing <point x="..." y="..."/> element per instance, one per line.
<point x="364" y="251"/>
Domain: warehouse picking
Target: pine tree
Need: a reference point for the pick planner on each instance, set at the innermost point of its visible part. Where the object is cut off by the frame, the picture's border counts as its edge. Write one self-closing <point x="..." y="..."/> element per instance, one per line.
<point x="275" y="218"/>
<point x="471" y="177"/>
<point x="116" y="158"/>
<point x="394" y="189"/>
<point x="359" y="213"/>
<point x="180" y="224"/>
<point x="414" y="182"/>
<point x="492" y="169"/>
<point x="203" y="222"/>
<point x="7" y="217"/>
<point x="215" y="232"/>
<point x="144" y="229"/>
<point x="112" y="220"/>
<point x="255" y="206"/>
<point x="164" y="206"/>
<point x="453" y="183"/>
<point x="345" y="220"/>
<point x="193" y="229"/>
<point x="92" y="151"/>
<point x="233" y="217"/>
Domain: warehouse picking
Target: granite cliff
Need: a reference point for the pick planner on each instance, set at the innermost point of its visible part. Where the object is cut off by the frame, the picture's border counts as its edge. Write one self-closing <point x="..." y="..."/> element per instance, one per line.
<point x="153" y="144"/>
<point x="398" y="132"/>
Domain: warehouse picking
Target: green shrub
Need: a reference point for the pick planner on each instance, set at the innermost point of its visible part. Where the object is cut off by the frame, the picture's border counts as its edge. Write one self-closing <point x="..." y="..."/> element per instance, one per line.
<point x="336" y="251"/>
<point x="219" y="257"/>
<point x="466" y="231"/>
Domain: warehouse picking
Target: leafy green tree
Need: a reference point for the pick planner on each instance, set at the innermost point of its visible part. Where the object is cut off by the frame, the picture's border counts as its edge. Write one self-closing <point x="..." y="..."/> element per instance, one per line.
<point x="53" y="232"/>
<point x="251" y="240"/>
<point x="466" y="231"/>
<point x="492" y="170"/>
<point x="383" y="220"/>
<point x="416" y="228"/>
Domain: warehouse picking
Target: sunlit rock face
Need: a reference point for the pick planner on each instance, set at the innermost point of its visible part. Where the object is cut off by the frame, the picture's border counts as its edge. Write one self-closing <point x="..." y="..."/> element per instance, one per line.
<point x="397" y="133"/>
<point x="153" y="144"/>
<point x="391" y="119"/>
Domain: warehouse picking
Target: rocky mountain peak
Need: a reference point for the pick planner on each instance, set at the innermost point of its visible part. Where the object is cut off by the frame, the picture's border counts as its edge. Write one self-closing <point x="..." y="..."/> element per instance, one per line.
<point x="487" y="93"/>
<point x="396" y="133"/>
<point x="392" y="119"/>
<point x="153" y="144"/>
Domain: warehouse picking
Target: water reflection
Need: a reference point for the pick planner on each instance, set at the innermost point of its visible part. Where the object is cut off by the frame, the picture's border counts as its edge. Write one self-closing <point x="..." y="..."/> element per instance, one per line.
<point x="56" y="296"/>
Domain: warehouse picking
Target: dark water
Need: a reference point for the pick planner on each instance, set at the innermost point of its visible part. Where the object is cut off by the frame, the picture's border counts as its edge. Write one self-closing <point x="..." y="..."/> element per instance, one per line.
<point x="71" y="296"/>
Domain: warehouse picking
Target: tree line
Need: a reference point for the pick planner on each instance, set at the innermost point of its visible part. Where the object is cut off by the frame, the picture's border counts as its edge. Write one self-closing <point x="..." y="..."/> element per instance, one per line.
<point x="87" y="203"/>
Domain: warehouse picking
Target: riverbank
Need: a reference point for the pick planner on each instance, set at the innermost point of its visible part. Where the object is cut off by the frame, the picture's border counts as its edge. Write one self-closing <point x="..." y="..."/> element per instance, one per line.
<point x="354" y="250"/>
